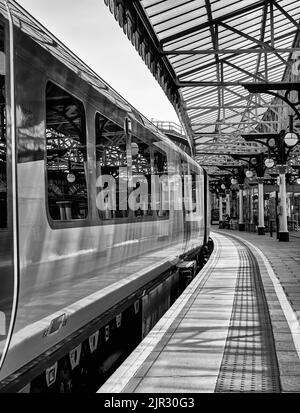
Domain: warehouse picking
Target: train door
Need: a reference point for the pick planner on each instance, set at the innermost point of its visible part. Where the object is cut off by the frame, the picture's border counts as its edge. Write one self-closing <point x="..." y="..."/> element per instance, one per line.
<point x="185" y="171"/>
<point x="207" y="208"/>
<point x="7" y="280"/>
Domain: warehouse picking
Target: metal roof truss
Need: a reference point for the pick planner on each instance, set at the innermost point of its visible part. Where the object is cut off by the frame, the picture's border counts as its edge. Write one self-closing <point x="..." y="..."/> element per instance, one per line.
<point x="203" y="51"/>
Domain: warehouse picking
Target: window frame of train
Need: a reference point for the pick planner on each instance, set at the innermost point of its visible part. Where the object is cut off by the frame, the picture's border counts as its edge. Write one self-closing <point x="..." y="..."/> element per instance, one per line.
<point x="138" y="158"/>
<point x="72" y="170"/>
<point x="194" y="187"/>
<point x="8" y="280"/>
<point x="4" y="167"/>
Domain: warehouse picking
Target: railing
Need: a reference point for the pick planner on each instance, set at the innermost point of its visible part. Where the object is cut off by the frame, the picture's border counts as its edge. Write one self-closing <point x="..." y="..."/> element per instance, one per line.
<point x="170" y="127"/>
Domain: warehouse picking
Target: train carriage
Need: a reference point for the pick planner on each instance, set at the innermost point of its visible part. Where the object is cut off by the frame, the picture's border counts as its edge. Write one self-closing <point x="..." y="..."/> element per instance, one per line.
<point x="73" y="153"/>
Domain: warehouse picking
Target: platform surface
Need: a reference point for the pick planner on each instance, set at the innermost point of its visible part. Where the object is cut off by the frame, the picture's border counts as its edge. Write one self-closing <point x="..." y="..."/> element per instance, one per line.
<point x="234" y="329"/>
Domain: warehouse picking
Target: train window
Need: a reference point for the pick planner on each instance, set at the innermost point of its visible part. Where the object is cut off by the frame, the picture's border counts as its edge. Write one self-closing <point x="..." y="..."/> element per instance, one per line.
<point x="160" y="163"/>
<point x="125" y="166"/>
<point x="194" y="191"/>
<point x="66" y="155"/>
<point x="111" y="161"/>
<point x="185" y="171"/>
<point x="190" y="189"/>
<point x="160" y="169"/>
<point x="141" y="174"/>
<point x="3" y="146"/>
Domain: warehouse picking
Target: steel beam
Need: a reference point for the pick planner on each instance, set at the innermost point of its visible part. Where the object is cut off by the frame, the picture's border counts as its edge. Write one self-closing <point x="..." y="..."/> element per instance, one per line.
<point x="228" y="51"/>
<point x="227" y="16"/>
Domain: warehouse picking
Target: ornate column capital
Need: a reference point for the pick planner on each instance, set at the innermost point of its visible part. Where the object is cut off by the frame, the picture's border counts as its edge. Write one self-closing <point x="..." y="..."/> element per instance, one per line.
<point x="241" y="186"/>
<point x="227" y="191"/>
<point x="260" y="180"/>
<point x="282" y="169"/>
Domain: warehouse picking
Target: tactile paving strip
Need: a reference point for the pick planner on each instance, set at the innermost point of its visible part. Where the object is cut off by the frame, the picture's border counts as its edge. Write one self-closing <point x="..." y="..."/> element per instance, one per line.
<point x="249" y="362"/>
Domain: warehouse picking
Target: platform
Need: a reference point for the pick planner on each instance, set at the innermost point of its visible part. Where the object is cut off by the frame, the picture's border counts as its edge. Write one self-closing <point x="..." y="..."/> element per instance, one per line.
<point x="234" y="329"/>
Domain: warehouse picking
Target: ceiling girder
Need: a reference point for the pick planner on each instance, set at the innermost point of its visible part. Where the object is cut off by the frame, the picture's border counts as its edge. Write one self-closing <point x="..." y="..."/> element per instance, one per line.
<point x="228" y="51"/>
<point x="227" y="16"/>
<point x="205" y="84"/>
<point x="236" y="52"/>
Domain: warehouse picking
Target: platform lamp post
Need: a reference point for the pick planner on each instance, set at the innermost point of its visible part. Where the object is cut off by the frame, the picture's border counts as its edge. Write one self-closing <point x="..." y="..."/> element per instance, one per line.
<point x="240" y="180"/>
<point x="222" y="186"/>
<point x="241" y="208"/>
<point x="218" y="187"/>
<point x="256" y="162"/>
<point x="279" y="146"/>
<point x="288" y="140"/>
<point x="234" y="206"/>
<point x="258" y="167"/>
<point x="283" y="91"/>
<point x="261" y="209"/>
<point x="225" y="186"/>
<point x="228" y="205"/>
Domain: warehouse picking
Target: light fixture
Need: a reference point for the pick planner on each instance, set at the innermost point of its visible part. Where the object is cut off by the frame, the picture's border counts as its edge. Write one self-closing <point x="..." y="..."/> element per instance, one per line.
<point x="233" y="181"/>
<point x="249" y="174"/>
<point x="298" y="181"/>
<point x="291" y="139"/>
<point x="223" y="186"/>
<point x="134" y="149"/>
<point x="127" y="126"/>
<point x="272" y="143"/>
<point x="71" y="178"/>
<point x="269" y="163"/>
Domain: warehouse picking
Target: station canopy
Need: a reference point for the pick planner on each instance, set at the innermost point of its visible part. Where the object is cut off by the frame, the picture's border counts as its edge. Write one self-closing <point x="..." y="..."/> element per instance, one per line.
<point x="202" y="52"/>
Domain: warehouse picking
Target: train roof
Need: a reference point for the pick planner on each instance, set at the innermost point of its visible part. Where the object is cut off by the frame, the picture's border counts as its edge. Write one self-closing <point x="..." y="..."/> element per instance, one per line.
<point x="39" y="34"/>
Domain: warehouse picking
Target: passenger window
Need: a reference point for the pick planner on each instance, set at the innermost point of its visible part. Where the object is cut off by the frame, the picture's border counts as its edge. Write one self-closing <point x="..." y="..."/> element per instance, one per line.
<point x="66" y="155"/>
<point x="3" y="145"/>
<point x="111" y="161"/>
<point x="125" y="166"/>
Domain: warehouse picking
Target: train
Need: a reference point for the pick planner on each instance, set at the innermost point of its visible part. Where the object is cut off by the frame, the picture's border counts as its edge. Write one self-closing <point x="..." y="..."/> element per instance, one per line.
<point x="80" y="271"/>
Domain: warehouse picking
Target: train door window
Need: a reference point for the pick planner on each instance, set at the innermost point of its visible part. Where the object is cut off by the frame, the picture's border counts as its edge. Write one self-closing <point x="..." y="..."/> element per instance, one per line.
<point x="194" y="191"/>
<point x="111" y="162"/>
<point x="141" y="175"/>
<point x="191" y="189"/>
<point x="160" y="169"/>
<point x="185" y="173"/>
<point x="3" y="145"/>
<point x="66" y="155"/>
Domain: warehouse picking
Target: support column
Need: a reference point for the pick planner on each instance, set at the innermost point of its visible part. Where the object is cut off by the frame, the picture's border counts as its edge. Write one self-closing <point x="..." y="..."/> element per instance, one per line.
<point x="261" y="209"/>
<point x="251" y="215"/>
<point x="241" y="209"/>
<point x="283" y="228"/>
<point x="220" y="209"/>
<point x="228" y="212"/>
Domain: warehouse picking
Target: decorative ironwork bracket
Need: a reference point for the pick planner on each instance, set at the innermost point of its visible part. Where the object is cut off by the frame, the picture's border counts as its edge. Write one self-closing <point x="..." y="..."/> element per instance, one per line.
<point x="255" y="161"/>
<point x="271" y="88"/>
<point x="274" y="142"/>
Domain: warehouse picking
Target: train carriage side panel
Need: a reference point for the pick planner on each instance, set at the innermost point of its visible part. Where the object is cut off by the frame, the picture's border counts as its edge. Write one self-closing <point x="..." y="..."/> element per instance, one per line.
<point x="8" y="266"/>
<point x="62" y="264"/>
<point x="66" y="262"/>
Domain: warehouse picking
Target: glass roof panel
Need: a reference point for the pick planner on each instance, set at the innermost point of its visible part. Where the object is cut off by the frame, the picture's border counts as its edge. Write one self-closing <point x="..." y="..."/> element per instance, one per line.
<point x="213" y="46"/>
